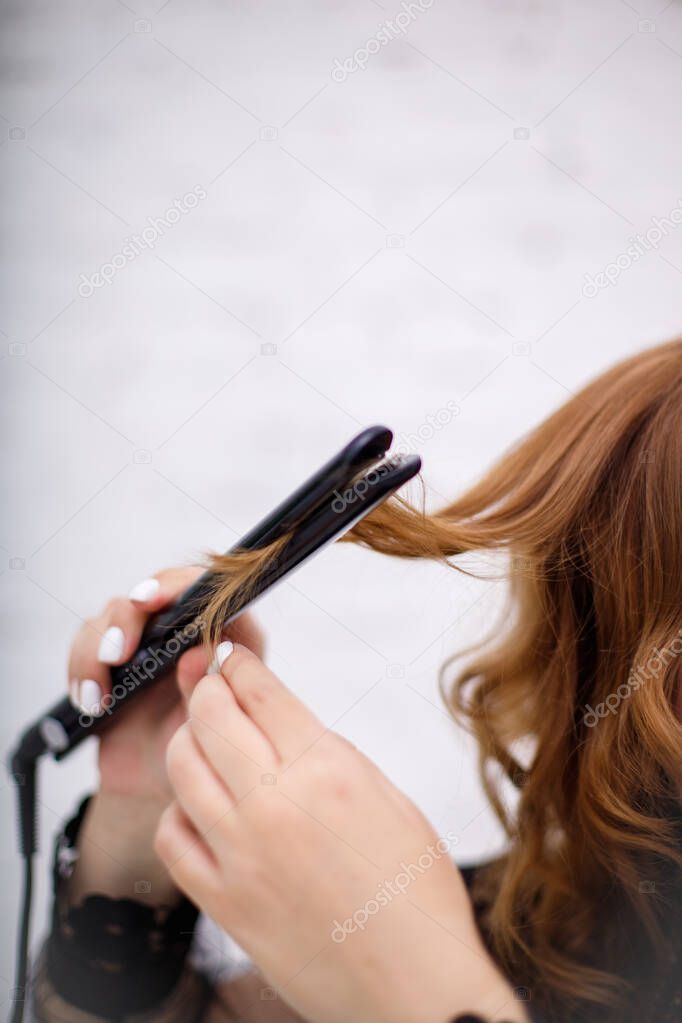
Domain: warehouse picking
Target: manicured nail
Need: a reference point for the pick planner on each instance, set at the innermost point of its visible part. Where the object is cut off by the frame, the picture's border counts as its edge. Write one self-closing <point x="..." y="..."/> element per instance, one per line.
<point x="89" y="697"/>
<point x="223" y="652"/>
<point x="144" y="591"/>
<point x="73" y="692"/>
<point x="111" y="645"/>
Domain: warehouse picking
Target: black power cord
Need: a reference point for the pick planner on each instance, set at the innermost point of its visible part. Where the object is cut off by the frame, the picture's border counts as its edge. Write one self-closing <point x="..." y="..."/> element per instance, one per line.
<point x="21" y="979"/>
<point x="23" y="766"/>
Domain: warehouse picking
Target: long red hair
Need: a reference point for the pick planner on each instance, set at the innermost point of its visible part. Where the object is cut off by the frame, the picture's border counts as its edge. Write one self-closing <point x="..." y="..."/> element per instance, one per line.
<point x="588" y="509"/>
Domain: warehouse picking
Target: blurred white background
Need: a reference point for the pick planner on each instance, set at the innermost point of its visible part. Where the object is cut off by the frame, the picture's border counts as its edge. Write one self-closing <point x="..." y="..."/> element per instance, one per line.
<point x="374" y="243"/>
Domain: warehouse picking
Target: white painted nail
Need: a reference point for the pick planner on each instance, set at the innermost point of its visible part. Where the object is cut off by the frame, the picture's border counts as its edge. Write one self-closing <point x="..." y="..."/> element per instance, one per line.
<point x="144" y="591"/>
<point x="111" y="645"/>
<point x="223" y="652"/>
<point x="89" y="697"/>
<point x="73" y="692"/>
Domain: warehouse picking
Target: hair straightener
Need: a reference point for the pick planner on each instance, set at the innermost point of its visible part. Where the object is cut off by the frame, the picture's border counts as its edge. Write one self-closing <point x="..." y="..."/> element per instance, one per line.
<point x="318" y="512"/>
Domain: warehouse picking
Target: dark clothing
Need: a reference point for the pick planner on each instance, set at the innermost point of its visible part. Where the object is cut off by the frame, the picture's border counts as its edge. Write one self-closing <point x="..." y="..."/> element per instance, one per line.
<point x="656" y="979"/>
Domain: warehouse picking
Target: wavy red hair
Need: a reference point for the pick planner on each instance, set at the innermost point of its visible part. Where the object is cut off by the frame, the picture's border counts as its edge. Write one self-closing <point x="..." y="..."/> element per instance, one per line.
<point x="588" y="508"/>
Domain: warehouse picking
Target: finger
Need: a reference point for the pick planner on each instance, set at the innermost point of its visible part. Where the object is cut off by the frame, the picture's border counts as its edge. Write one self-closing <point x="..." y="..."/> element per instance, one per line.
<point x="285" y="721"/>
<point x="109" y="639"/>
<point x="191" y="667"/>
<point x="187" y="858"/>
<point x="122" y="624"/>
<point x="233" y="745"/>
<point x="163" y="588"/>
<point x="89" y="679"/>
<point x="124" y="619"/>
<point x="113" y="636"/>
<point x="203" y="796"/>
<point x="247" y="631"/>
<point x="194" y="664"/>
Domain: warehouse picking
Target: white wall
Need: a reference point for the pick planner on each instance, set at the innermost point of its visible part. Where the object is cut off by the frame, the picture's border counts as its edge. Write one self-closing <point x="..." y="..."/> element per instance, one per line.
<point x="395" y="240"/>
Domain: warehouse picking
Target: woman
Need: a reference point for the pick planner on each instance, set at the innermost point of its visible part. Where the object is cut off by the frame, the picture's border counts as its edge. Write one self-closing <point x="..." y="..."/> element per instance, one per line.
<point x="291" y="839"/>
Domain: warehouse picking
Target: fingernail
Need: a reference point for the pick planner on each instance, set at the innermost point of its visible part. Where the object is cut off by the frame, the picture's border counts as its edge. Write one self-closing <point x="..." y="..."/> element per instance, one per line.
<point x="90" y="696"/>
<point x="145" y="590"/>
<point x="73" y="692"/>
<point x="111" y="645"/>
<point x="223" y="652"/>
